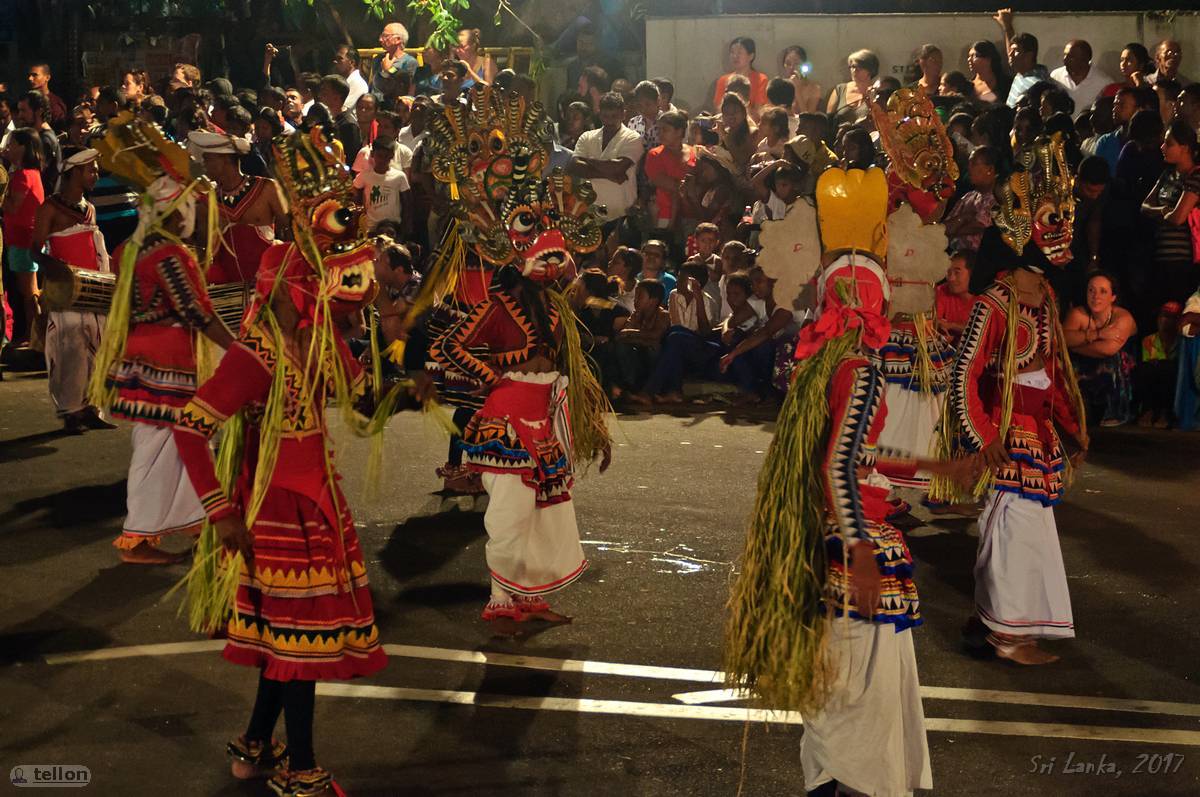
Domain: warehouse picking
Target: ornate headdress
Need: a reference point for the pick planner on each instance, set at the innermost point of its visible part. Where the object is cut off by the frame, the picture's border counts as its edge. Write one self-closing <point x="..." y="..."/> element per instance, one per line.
<point x="492" y="155"/>
<point x="1037" y="203"/>
<point x="915" y="140"/>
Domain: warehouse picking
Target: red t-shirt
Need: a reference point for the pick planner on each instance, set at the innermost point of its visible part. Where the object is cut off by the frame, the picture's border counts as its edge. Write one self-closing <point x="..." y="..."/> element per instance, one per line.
<point x="660" y="163"/>
<point x="18" y="225"/>
<point x="758" y="89"/>
<point x="951" y="308"/>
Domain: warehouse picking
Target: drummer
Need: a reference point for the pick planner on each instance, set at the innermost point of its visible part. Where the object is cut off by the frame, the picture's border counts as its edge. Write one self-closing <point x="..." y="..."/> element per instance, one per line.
<point x="250" y="208"/>
<point x="65" y="226"/>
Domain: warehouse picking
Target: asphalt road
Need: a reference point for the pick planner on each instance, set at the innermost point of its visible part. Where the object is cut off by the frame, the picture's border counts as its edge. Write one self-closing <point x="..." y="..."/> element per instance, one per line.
<point x="663" y="530"/>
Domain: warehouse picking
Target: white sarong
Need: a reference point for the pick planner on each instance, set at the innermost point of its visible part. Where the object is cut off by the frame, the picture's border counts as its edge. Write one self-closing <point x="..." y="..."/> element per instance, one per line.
<point x="910" y="428"/>
<point x="870" y="736"/>
<point x="1020" y="581"/>
<point x="160" y="497"/>
<point x="530" y="550"/>
<point x="72" y="339"/>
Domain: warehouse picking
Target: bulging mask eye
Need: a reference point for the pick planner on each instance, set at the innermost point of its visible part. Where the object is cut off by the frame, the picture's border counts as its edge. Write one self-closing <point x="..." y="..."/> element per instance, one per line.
<point x="496" y="142"/>
<point x="332" y="218"/>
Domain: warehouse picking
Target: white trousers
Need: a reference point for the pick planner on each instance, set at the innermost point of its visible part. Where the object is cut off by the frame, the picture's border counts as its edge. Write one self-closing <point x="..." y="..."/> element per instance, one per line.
<point x="72" y="340"/>
<point x="910" y="427"/>
<point x="530" y="550"/>
<point x="1020" y="581"/>
<point x="870" y="736"/>
<point x="160" y="497"/>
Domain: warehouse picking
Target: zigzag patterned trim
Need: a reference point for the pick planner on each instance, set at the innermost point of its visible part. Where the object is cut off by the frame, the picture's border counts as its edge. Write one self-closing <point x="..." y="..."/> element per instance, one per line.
<point x="969" y="350"/>
<point x="850" y="433"/>
<point x="188" y="296"/>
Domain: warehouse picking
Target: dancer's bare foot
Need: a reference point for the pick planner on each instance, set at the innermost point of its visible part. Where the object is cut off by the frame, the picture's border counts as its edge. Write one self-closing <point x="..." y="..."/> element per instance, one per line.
<point x="143" y="554"/>
<point x="1027" y="653"/>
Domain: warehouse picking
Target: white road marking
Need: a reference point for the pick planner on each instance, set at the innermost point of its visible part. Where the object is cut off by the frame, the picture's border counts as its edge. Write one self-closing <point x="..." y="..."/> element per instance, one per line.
<point x="674" y="711"/>
<point x="656" y="672"/>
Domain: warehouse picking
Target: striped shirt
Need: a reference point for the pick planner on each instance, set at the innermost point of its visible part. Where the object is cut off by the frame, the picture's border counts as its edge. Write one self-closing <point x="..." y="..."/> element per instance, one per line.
<point x="1173" y="242"/>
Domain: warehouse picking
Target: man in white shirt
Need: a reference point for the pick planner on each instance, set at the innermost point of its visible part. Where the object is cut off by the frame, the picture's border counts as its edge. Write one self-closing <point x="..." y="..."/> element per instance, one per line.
<point x="1082" y="81"/>
<point x="609" y="157"/>
<point x="345" y="63"/>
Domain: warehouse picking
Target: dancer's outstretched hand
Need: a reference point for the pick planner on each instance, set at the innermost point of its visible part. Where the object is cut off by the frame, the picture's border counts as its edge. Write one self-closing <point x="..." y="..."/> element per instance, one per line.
<point x="994" y="455"/>
<point x="236" y="537"/>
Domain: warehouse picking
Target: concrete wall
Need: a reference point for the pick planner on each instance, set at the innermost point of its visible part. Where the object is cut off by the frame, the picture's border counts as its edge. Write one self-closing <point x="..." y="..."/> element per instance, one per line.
<point x="692" y="51"/>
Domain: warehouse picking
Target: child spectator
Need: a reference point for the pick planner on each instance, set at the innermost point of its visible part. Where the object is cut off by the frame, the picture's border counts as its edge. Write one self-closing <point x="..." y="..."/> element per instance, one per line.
<point x="686" y="353"/>
<point x="625" y="264"/>
<point x="666" y="167"/>
<point x="711" y="191"/>
<point x="952" y="298"/>
<point x="689" y="306"/>
<point x="783" y="188"/>
<point x="749" y="363"/>
<point x="638" y="342"/>
<point x="1187" y="385"/>
<point x="967" y="220"/>
<point x="385" y="190"/>
<point x="654" y="267"/>
<point x="1154" y="377"/>
<point x="602" y="318"/>
<point x="735" y="257"/>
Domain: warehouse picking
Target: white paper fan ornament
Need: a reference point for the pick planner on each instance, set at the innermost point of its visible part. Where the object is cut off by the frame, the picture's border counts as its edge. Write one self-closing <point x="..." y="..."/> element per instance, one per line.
<point x="917" y="260"/>
<point x="791" y="254"/>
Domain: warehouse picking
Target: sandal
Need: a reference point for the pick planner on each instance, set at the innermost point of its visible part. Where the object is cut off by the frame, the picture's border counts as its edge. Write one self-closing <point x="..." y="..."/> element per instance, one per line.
<point x="255" y="759"/>
<point x="315" y="782"/>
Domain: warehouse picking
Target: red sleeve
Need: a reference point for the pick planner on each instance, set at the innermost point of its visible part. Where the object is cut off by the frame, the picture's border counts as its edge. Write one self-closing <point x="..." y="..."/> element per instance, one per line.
<point x="758" y="90"/>
<point x="651" y="165"/>
<point x="982" y="336"/>
<point x="179" y="275"/>
<point x="722" y="82"/>
<point x="239" y="379"/>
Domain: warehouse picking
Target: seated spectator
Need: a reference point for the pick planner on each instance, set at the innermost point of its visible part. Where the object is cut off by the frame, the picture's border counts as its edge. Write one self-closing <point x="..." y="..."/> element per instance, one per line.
<point x="686" y="353"/>
<point x="989" y="73"/>
<point x="666" y="167"/>
<point x="750" y="363"/>
<point x="775" y="130"/>
<point x="1187" y="383"/>
<point x="952" y="299"/>
<point x="972" y="215"/>
<point x="689" y="306"/>
<point x="782" y="94"/>
<point x="742" y="52"/>
<point x="1027" y="126"/>
<point x="858" y="151"/>
<point x="738" y="134"/>
<point x="654" y="267"/>
<point x="795" y="69"/>
<point x="848" y="103"/>
<point x="1154" y="376"/>
<point x="929" y="61"/>
<point x="1096" y="336"/>
<point x="1135" y="65"/>
<point x="736" y="258"/>
<point x="956" y="84"/>
<point x="594" y="302"/>
<point x="711" y="192"/>
<point x="637" y="344"/>
<point x="703" y="244"/>
<point x="625" y="264"/>
<point x="1082" y="80"/>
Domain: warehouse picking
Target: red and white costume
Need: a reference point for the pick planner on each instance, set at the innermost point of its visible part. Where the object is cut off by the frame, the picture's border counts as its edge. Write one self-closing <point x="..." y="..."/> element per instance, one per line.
<point x="240" y="246"/>
<point x="73" y="337"/>
<point x="1020" y="581"/>
<point x="154" y="379"/>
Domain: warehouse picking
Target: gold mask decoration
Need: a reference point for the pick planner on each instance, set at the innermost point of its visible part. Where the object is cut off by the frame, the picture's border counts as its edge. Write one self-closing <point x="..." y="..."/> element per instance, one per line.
<point x="1037" y="203"/>
<point x="915" y="140"/>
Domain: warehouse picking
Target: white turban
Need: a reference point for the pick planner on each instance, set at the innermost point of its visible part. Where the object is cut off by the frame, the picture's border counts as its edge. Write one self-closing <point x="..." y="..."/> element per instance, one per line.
<point x="162" y="192"/>
<point x="201" y="142"/>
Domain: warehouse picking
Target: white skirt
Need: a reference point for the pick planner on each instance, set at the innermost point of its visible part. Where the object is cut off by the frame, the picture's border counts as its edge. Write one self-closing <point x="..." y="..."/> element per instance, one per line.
<point x="72" y="340"/>
<point x="160" y="497"/>
<point x="1020" y="581"/>
<point x="911" y="427"/>
<point x="870" y="736"/>
<point x="530" y="550"/>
